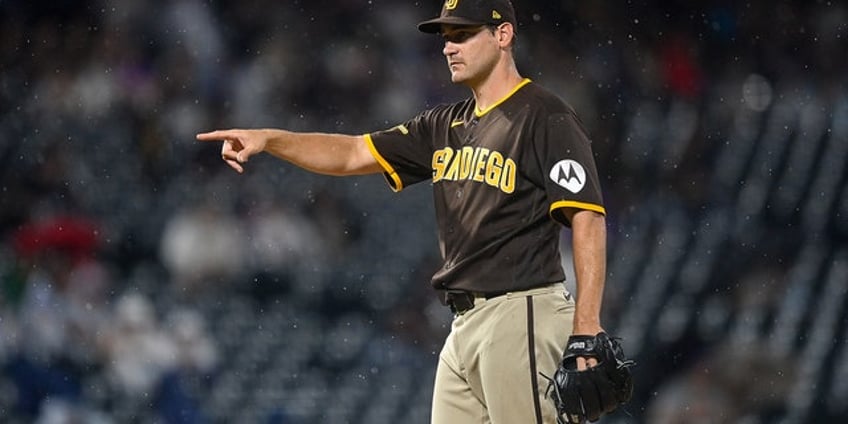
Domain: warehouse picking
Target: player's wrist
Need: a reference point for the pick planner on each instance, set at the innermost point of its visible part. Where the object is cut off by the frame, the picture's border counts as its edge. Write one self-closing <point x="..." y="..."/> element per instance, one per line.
<point x="589" y="328"/>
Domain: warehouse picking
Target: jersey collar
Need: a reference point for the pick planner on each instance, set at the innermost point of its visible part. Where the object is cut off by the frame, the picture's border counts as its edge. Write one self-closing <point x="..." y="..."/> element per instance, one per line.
<point x="480" y="113"/>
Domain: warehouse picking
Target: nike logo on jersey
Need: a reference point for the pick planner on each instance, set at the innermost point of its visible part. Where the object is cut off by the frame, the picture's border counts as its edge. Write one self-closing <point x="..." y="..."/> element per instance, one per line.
<point x="475" y="164"/>
<point x="569" y="175"/>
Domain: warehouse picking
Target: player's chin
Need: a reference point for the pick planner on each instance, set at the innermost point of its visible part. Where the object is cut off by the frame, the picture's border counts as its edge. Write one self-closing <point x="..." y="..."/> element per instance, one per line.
<point x="458" y="77"/>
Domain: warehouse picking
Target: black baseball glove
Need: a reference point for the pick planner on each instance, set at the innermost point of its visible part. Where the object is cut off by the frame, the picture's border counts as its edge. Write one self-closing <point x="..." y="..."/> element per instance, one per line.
<point x="587" y="395"/>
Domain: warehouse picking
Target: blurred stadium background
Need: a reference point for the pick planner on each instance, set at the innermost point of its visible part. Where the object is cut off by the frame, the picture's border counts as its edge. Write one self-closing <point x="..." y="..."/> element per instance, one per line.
<point x="144" y="281"/>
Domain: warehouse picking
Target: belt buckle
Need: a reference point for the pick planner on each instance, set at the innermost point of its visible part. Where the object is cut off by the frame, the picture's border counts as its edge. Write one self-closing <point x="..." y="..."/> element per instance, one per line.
<point x="459" y="301"/>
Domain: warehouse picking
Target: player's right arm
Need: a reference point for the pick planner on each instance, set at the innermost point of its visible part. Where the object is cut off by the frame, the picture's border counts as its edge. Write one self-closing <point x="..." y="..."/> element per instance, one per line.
<point x="329" y="154"/>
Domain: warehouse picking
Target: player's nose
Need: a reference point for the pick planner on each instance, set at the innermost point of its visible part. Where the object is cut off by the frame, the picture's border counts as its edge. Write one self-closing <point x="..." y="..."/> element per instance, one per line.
<point x="449" y="49"/>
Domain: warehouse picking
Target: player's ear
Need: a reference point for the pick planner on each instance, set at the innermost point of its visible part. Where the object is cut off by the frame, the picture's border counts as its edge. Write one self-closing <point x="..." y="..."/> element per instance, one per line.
<point x="505" y="32"/>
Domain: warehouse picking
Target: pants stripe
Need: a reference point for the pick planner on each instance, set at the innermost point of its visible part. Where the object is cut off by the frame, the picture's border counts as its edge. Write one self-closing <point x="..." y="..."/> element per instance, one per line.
<point x="531" y="351"/>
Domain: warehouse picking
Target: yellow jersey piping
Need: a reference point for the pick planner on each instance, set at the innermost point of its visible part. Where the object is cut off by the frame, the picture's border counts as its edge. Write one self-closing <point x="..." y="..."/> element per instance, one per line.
<point x="578" y="205"/>
<point x="480" y="113"/>
<point x="391" y="175"/>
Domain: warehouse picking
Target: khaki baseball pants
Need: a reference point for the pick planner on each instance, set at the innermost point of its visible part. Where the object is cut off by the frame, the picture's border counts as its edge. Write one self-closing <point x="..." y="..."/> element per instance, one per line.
<point x="488" y="371"/>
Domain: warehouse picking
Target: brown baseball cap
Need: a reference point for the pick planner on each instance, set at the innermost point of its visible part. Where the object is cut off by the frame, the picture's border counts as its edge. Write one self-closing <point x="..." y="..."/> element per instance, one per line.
<point x="470" y="13"/>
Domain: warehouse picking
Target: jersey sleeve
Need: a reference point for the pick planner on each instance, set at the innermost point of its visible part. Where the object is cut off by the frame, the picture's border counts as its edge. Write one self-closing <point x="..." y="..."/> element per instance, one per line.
<point x="404" y="151"/>
<point x="568" y="165"/>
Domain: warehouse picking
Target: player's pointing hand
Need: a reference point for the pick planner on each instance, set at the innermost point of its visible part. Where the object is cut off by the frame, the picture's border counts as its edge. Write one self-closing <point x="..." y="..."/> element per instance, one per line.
<point x="238" y="146"/>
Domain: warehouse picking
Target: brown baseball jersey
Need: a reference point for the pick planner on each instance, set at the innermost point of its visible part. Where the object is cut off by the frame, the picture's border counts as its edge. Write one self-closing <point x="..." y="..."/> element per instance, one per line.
<point x="500" y="179"/>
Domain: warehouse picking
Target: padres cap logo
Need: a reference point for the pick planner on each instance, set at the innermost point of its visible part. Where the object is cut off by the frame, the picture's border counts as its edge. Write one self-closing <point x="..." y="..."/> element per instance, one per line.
<point x="451" y="4"/>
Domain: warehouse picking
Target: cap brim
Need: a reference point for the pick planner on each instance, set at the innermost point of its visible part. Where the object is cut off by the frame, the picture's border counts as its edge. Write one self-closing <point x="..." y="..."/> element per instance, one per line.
<point x="434" y="26"/>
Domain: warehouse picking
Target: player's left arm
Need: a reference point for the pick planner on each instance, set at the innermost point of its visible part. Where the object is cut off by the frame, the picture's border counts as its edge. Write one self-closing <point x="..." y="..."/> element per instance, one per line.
<point x="589" y="245"/>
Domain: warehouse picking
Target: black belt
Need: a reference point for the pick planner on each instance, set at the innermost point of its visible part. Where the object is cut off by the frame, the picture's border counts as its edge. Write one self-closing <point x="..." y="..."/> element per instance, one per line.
<point x="460" y="301"/>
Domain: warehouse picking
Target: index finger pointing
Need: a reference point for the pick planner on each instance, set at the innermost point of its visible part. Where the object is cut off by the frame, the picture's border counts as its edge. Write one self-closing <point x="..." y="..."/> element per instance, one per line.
<point x="215" y="135"/>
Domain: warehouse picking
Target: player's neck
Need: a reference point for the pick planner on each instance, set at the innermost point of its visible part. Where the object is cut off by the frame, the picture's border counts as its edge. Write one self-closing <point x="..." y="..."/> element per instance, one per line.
<point x="497" y="85"/>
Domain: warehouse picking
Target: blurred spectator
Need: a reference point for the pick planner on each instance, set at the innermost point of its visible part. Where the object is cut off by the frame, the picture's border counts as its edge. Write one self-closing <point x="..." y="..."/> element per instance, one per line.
<point x="282" y="238"/>
<point x="138" y="351"/>
<point x="149" y="359"/>
<point x="59" y="309"/>
<point x="682" y="72"/>
<point x="196" y="359"/>
<point x="200" y="247"/>
<point x="195" y="351"/>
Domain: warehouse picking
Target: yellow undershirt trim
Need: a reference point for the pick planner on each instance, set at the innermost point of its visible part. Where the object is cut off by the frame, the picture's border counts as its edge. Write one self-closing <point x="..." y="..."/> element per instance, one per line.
<point x="391" y="175"/>
<point x="480" y="113"/>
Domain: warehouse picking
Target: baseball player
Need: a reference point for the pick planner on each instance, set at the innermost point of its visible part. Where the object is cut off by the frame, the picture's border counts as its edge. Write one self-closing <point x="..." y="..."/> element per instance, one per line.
<point x="509" y="166"/>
